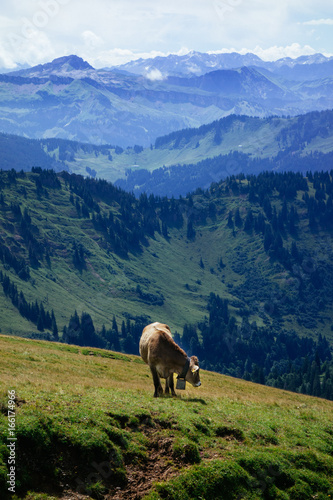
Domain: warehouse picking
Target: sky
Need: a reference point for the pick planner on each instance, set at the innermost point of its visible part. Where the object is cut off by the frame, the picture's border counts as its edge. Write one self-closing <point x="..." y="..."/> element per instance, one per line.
<point x="112" y="32"/>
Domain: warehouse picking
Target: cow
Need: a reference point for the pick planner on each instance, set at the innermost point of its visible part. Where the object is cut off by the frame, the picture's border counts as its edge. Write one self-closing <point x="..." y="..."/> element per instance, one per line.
<point x="165" y="357"/>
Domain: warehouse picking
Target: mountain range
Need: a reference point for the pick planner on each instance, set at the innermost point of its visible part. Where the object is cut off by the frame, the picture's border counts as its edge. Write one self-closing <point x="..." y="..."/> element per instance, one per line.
<point x="67" y="98"/>
<point x="199" y="63"/>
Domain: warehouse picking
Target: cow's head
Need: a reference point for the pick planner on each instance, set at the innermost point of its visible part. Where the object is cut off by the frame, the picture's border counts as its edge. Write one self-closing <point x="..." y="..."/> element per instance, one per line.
<point x="192" y="375"/>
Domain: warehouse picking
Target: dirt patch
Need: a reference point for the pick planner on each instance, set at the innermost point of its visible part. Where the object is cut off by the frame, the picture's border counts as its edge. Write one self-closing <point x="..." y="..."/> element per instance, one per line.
<point x="230" y="433"/>
<point x="94" y="273"/>
<point x="161" y="465"/>
<point x="71" y="495"/>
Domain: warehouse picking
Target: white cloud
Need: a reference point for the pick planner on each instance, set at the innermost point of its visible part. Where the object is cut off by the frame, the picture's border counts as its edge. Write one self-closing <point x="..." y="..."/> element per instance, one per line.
<point x="278" y="52"/>
<point x="319" y="22"/>
<point x="113" y="32"/>
<point x="117" y="56"/>
<point x="155" y="75"/>
<point x="273" y="53"/>
<point x="91" y="40"/>
<point x="30" y="49"/>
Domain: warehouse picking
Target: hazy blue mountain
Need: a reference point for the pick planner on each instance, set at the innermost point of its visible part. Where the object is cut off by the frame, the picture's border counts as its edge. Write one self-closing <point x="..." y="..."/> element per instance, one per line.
<point x="193" y="63"/>
<point x="69" y="99"/>
<point x="198" y="63"/>
<point x="61" y="65"/>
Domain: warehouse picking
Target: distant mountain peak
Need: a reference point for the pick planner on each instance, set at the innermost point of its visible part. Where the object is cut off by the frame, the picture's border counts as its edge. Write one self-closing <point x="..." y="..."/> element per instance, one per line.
<point x="60" y="65"/>
<point x="74" y="62"/>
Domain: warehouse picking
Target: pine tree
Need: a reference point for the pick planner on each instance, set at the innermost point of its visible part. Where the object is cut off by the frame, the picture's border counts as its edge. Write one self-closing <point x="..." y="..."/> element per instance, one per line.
<point x="40" y="323"/>
<point x="238" y="218"/>
<point x="55" y="332"/>
<point x="249" y="220"/>
<point x="230" y="221"/>
<point x="268" y="237"/>
<point x="190" y="230"/>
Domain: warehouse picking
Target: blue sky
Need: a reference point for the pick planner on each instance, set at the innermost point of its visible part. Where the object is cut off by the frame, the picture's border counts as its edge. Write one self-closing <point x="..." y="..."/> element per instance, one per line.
<point x="110" y="32"/>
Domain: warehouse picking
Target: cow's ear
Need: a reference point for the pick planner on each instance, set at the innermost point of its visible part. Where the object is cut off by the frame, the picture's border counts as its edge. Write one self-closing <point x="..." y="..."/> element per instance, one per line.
<point x="195" y="368"/>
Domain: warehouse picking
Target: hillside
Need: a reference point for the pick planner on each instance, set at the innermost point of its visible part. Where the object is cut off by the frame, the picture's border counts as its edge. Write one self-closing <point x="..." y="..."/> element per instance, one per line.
<point x="248" y="262"/>
<point x="86" y="424"/>
<point x="69" y="99"/>
<point x="190" y="158"/>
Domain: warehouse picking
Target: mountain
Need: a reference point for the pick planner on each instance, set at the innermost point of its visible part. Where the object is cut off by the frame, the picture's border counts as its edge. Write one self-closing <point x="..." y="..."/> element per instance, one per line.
<point x="249" y="260"/>
<point x="244" y="83"/>
<point x="187" y="159"/>
<point x="95" y="431"/>
<point x="194" y="158"/>
<point x="198" y="63"/>
<point x="303" y="68"/>
<point x="69" y="99"/>
<point x="193" y="63"/>
<point x="59" y="66"/>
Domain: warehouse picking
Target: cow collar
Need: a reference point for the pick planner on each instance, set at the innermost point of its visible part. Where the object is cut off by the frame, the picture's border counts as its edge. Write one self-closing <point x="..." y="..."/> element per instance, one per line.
<point x="185" y="369"/>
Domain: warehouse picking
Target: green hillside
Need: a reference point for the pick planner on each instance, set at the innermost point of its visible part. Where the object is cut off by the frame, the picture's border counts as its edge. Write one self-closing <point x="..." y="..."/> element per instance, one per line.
<point x="45" y="219"/>
<point x="262" y="138"/>
<point x="87" y="426"/>
<point x="274" y="143"/>
<point x="242" y="273"/>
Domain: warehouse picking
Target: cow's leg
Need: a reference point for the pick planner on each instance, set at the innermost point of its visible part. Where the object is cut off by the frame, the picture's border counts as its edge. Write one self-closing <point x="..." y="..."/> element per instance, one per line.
<point x="157" y="382"/>
<point x="171" y="385"/>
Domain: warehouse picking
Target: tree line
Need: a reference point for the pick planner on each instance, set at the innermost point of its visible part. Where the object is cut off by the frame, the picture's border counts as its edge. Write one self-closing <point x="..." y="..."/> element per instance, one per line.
<point x="277" y="358"/>
<point x="81" y="331"/>
<point x="32" y="311"/>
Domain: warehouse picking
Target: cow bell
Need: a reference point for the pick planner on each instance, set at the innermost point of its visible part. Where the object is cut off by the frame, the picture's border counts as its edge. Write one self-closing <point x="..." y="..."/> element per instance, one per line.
<point x="181" y="384"/>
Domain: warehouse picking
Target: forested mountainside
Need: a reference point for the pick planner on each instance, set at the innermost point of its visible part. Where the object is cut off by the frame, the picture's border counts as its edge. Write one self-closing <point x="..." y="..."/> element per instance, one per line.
<point x="234" y="145"/>
<point x="187" y="159"/>
<point x="246" y="265"/>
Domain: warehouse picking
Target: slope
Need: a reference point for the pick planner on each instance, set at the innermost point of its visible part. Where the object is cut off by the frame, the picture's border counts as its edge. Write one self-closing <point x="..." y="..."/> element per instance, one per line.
<point x="261" y="144"/>
<point x="242" y="272"/>
<point x="75" y="244"/>
<point x="87" y="426"/>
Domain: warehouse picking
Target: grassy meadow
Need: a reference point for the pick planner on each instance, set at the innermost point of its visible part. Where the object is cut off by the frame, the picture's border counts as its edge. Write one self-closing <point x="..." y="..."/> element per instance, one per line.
<point x="87" y="426"/>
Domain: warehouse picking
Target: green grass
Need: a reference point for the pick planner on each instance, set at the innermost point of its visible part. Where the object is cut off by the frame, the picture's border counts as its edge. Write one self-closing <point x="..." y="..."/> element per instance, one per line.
<point x="89" y="423"/>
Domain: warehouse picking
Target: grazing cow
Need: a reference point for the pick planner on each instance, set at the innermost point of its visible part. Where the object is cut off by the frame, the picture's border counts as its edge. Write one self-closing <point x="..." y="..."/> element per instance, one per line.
<point x="165" y="357"/>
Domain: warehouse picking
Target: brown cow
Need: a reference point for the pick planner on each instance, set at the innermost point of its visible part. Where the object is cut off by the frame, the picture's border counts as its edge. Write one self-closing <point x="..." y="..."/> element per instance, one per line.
<point x="165" y="357"/>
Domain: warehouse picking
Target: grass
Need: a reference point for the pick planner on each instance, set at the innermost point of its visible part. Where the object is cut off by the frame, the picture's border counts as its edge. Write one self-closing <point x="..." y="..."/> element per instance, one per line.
<point x="87" y="422"/>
